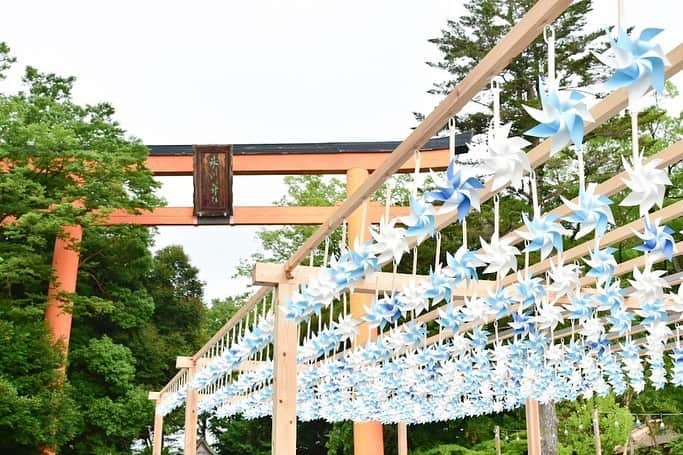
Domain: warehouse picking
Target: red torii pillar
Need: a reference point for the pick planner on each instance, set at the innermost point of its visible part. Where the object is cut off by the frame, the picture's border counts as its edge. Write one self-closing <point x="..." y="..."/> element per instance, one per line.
<point x="367" y="436"/>
<point x="65" y="272"/>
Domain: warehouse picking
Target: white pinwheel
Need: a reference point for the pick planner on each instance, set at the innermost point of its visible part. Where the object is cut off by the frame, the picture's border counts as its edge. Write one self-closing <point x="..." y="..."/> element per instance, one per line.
<point x="548" y="316"/>
<point x="500" y="255"/>
<point x="647" y="184"/>
<point x="648" y="285"/>
<point x="476" y="310"/>
<point x="413" y="298"/>
<point x="564" y="278"/>
<point x="347" y="327"/>
<point x="505" y="157"/>
<point x="676" y="301"/>
<point x="390" y="241"/>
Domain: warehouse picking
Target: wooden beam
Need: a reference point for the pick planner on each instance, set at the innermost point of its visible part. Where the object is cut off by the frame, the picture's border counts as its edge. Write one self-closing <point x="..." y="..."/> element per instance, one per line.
<point x="533" y="428"/>
<point x="403" y="438"/>
<point x="516" y="40"/>
<point x="191" y="402"/>
<point x="269" y="274"/>
<point x="245" y="216"/>
<point x="284" y="376"/>
<point x="299" y="163"/>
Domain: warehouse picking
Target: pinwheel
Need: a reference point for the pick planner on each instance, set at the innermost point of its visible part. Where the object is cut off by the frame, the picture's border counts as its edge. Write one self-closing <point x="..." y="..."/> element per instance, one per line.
<point x="298" y="306"/>
<point x="647" y="184"/>
<point x="456" y="193"/>
<point x="656" y="239"/>
<point x="450" y="318"/>
<point x="363" y="259"/>
<point x="676" y="301"/>
<point x="479" y="338"/>
<point x="610" y="297"/>
<point x="677" y="370"/>
<point x="543" y="233"/>
<point x="620" y="321"/>
<point x="420" y="222"/>
<point x="388" y="309"/>
<point x="548" y="316"/>
<point x="592" y="213"/>
<point x="504" y="157"/>
<point x="581" y="306"/>
<point x="592" y="329"/>
<point x="414" y="334"/>
<point x="499" y="302"/>
<point x="321" y="291"/>
<point x="528" y="290"/>
<point x="413" y="298"/>
<point x="562" y="118"/>
<point x="648" y="285"/>
<point x="476" y="310"/>
<point x="652" y="311"/>
<point x="347" y="327"/>
<point x="499" y="255"/>
<point x="522" y="322"/>
<point x="638" y="63"/>
<point x="602" y="264"/>
<point x="564" y="278"/>
<point x="390" y="241"/>
<point x="462" y="266"/>
<point x="439" y="287"/>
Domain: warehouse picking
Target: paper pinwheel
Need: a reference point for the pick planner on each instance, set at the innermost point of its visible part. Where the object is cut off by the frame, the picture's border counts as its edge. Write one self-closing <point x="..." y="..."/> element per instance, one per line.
<point x="413" y="298"/>
<point x="656" y="239"/>
<point x="543" y="233"/>
<point x="638" y="63"/>
<point x="390" y="242"/>
<point x="528" y="289"/>
<point x="347" y="327"/>
<point x="522" y="322"/>
<point x="676" y="301"/>
<point x="648" y="285"/>
<point x="476" y="310"/>
<point x="581" y="306"/>
<point x="602" y="264"/>
<point x="562" y="118"/>
<point x="610" y="297"/>
<point x="592" y="213"/>
<point x="439" y="287"/>
<point x="456" y="193"/>
<point x="499" y="255"/>
<point x="652" y="311"/>
<point x="420" y="222"/>
<point x="384" y="311"/>
<point x="564" y="278"/>
<point x="450" y="317"/>
<point x="499" y="302"/>
<point x="462" y="266"/>
<point x="504" y="157"/>
<point x="647" y="184"/>
<point x="620" y="320"/>
<point x="549" y="316"/>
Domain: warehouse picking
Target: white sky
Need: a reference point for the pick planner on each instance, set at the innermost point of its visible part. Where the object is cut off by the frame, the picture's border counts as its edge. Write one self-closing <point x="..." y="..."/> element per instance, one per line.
<point x="239" y="71"/>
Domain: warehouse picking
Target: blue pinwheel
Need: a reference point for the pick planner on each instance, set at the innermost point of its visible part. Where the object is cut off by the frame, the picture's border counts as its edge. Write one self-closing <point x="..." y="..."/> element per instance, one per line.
<point x="456" y="192"/>
<point x="656" y="239"/>
<point x="562" y="118"/>
<point x="522" y="322"/>
<point x="420" y="222"/>
<point x="450" y="318"/>
<point x="652" y="311"/>
<point x="602" y="264"/>
<point x="543" y="233"/>
<point x="439" y="287"/>
<point x="620" y="321"/>
<point x="462" y="266"/>
<point x="499" y="303"/>
<point x="413" y="334"/>
<point x="529" y="290"/>
<point x="638" y="63"/>
<point x="610" y="297"/>
<point x="581" y="306"/>
<point x="297" y="307"/>
<point x="677" y="370"/>
<point x="592" y="213"/>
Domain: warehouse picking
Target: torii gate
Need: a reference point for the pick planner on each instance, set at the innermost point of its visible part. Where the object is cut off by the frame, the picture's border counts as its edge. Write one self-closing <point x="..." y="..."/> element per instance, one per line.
<point x="354" y="159"/>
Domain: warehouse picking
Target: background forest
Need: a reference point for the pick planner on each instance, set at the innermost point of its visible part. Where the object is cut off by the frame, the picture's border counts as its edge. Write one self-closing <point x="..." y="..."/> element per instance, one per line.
<point x="135" y="311"/>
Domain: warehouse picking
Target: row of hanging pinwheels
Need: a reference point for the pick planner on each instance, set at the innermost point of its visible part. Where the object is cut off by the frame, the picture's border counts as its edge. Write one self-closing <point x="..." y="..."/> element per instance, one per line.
<point x="373" y="382"/>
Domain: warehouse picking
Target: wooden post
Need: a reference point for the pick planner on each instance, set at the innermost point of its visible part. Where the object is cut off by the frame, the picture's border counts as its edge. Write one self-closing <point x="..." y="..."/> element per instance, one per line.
<point x="533" y="428"/>
<point x="65" y="272"/>
<point x="402" y="438"/>
<point x="367" y="436"/>
<point x="596" y="432"/>
<point x="191" y="402"/>
<point x="158" y="434"/>
<point x="497" y="434"/>
<point x="284" y="377"/>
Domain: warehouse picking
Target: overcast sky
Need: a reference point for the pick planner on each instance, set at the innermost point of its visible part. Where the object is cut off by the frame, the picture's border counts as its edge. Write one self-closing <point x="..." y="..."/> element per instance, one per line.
<point x="240" y="71"/>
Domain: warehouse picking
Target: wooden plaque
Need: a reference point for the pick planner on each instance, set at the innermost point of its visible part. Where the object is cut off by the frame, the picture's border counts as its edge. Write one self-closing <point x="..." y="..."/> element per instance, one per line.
<point x="212" y="180"/>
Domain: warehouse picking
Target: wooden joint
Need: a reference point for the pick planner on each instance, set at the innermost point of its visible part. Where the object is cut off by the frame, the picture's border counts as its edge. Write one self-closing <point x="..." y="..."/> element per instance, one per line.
<point x="184" y="362"/>
<point x="155" y="396"/>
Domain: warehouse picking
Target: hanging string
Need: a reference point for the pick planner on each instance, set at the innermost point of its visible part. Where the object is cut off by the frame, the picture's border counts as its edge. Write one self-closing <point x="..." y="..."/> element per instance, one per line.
<point x="387" y="203"/>
<point x="310" y="259"/>
<point x="414" y="261"/>
<point x="582" y="169"/>
<point x="464" y="233"/>
<point x="451" y="138"/>
<point x="526" y="260"/>
<point x="363" y="221"/>
<point x="534" y="194"/>
<point x="327" y="251"/>
<point x="496" y="215"/>
<point x="549" y="38"/>
<point x="620" y="14"/>
<point x="344" y="243"/>
<point x="437" y="253"/>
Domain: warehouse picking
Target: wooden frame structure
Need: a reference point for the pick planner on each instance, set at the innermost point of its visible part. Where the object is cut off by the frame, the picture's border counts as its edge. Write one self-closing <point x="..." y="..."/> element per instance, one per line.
<point x="284" y="278"/>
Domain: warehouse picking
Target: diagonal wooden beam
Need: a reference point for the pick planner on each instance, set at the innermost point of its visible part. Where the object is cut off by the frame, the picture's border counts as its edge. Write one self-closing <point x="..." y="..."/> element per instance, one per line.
<point x="509" y="47"/>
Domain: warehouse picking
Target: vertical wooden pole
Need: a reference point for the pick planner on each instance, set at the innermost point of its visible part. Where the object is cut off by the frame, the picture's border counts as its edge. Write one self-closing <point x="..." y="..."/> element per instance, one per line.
<point x="191" y="402"/>
<point x="65" y="272"/>
<point x="497" y="433"/>
<point x="284" y="377"/>
<point x="402" y="439"/>
<point x="596" y="432"/>
<point x="367" y="436"/>
<point x="158" y="436"/>
<point x="533" y="428"/>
